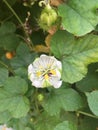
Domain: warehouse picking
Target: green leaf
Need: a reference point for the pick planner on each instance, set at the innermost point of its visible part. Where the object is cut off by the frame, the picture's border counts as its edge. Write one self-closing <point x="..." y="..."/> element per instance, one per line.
<point x="22" y="72"/>
<point x="92" y="99"/>
<point x="23" y="56"/>
<point x="90" y="82"/>
<point x="75" y="54"/>
<point x="12" y="97"/>
<point x="7" y="28"/>
<point x="3" y="75"/>
<point x="79" y="17"/>
<point x="5" y="117"/>
<point x="46" y="122"/>
<point x="68" y="99"/>
<point x="8" y="39"/>
<point x="65" y="126"/>
<point x="16" y="85"/>
<point x="87" y="123"/>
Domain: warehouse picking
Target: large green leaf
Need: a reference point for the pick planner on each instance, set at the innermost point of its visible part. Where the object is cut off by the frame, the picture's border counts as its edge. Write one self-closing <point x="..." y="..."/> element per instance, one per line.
<point x="75" y="53"/>
<point x="92" y="99"/>
<point x="8" y="39"/>
<point x="12" y="97"/>
<point x="3" y="75"/>
<point x="79" y="17"/>
<point x="68" y="99"/>
<point x="66" y="125"/>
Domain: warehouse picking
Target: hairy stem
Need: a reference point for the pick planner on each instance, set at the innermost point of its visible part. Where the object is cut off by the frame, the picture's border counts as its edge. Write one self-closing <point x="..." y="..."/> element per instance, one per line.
<point x="28" y="40"/>
<point x="87" y="114"/>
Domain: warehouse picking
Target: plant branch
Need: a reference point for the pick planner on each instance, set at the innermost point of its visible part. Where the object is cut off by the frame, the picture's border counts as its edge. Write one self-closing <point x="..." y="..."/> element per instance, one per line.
<point x="14" y="13"/>
<point x="87" y="114"/>
<point x="28" y="40"/>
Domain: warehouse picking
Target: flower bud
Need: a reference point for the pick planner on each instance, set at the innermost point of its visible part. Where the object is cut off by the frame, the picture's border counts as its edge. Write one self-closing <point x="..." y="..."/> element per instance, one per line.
<point x="40" y="97"/>
<point x="47" y="18"/>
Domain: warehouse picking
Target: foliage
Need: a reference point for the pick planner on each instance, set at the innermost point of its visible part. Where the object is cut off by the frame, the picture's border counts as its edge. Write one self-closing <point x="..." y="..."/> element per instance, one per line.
<point x="67" y="30"/>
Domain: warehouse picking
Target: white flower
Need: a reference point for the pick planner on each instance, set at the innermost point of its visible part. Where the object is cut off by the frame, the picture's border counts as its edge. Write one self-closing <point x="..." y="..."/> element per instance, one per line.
<point x="4" y="127"/>
<point x="45" y="71"/>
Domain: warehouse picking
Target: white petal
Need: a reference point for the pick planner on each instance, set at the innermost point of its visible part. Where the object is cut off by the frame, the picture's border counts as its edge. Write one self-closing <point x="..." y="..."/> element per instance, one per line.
<point x="32" y="77"/>
<point x="44" y="60"/>
<point x="36" y="63"/>
<point x="31" y="69"/>
<point x="59" y="65"/>
<point x="58" y="74"/>
<point x="38" y="83"/>
<point x="55" y="82"/>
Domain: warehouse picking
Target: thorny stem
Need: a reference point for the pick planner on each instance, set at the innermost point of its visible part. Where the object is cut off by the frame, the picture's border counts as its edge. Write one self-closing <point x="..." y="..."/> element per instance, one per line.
<point x="28" y="40"/>
<point x="87" y="114"/>
<point x="10" y="70"/>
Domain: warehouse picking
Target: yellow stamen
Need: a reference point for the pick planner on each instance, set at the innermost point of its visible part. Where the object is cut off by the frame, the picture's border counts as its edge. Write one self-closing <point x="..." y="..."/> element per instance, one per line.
<point x="53" y="72"/>
<point x="38" y="73"/>
<point x="46" y="76"/>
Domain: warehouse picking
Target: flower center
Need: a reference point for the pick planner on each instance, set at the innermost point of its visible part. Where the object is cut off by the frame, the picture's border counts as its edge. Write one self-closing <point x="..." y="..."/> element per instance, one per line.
<point x="46" y="76"/>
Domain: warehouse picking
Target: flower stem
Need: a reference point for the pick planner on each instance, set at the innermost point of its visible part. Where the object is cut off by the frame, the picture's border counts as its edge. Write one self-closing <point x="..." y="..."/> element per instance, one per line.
<point x="8" y="5"/>
<point x="87" y="114"/>
<point x="28" y="40"/>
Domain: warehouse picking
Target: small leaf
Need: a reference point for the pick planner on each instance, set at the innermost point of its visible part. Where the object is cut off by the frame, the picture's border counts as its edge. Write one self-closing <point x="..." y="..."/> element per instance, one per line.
<point x="68" y="99"/>
<point x="79" y="17"/>
<point x="65" y="126"/>
<point x="8" y="39"/>
<point x="92" y="99"/>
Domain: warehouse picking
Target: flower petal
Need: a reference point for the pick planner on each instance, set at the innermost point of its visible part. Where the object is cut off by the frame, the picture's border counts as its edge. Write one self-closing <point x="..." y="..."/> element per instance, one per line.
<point x="38" y="83"/>
<point x="55" y="82"/>
<point x="58" y="74"/>
<point x="31" y="69"/>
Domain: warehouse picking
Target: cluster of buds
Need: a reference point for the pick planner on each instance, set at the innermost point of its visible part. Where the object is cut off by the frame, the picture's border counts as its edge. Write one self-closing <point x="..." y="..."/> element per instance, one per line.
<point x="48" y="17"/>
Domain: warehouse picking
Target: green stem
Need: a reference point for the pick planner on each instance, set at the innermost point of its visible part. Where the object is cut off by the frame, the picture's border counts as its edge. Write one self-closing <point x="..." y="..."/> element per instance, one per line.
<point x="87" y="114"/>
<point x="28" y="40"/>
<point x="8" y="5"/>
<point x="10" y="70"/>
